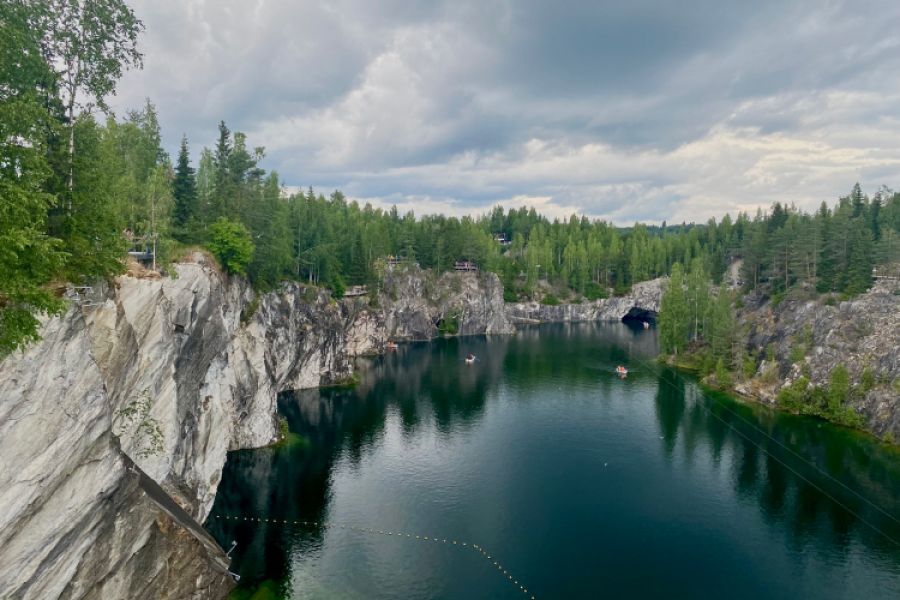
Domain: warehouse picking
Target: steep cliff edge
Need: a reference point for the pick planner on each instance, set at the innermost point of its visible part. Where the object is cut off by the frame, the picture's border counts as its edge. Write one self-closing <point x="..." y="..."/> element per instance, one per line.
<point x="171" y="374"/>
<point x="644" y="296"/>
<point x="809" y="338"/>
<point x="165" y="370"/>
<point x="418" y="304"/>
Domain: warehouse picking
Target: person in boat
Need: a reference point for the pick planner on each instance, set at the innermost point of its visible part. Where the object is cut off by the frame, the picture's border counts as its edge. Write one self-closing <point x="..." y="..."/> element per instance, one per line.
<point x="470" y="358"/>
<point x="391" y="345"/>
<point x="621" y="370"/>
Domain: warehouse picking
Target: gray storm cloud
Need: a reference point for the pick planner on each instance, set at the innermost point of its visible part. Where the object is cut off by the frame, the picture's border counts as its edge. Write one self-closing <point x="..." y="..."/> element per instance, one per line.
<point x="626" y="111"/>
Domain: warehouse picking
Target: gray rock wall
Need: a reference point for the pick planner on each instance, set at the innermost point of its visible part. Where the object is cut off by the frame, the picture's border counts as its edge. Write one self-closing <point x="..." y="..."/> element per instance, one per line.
<point x="645" y="296"/>
<point x="166" y="370"/>
<point x="809" y="338"/>
<point x="414" y="302"/>
<point x="172" y="373"/>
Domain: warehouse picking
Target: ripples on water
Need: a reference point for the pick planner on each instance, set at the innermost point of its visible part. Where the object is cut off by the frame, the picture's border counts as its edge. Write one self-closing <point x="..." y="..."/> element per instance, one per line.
<point x="583" y="485"/>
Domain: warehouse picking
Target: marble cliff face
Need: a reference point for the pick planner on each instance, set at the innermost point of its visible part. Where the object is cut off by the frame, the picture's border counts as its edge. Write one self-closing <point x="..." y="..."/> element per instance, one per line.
<point x="114" y="428"/>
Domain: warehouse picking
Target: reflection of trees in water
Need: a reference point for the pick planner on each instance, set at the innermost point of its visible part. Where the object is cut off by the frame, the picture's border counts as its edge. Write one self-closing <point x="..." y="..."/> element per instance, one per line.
<point x="292" y="481"/>
<point x="810" y="517"/>
<point x="427" y="384"/>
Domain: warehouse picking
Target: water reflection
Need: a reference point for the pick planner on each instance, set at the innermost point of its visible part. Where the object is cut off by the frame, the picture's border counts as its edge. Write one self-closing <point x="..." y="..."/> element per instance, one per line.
<point x="826" y="482"/>
<point x="424" y="398"/>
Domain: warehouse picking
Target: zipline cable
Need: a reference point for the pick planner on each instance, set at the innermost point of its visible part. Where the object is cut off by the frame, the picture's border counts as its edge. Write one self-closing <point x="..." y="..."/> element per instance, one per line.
<point x="778" y="460"/>
<point x="806" y="460"/>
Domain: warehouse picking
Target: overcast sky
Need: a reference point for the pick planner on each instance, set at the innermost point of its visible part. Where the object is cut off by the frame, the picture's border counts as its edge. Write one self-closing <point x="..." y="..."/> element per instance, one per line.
<point x="620" y="110"/>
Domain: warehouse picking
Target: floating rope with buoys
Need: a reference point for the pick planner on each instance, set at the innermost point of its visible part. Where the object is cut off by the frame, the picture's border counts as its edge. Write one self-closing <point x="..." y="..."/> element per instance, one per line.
<point x="399" y="534"/>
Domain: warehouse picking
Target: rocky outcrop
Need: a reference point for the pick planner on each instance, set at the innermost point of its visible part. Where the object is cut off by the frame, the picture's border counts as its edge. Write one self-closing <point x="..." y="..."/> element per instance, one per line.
<point x="644" y="296"/>
<point x="166" y="370"/>
<point x="416" y="303"/>
<point x="809" y="338"/>
<point x="115" y="427"/>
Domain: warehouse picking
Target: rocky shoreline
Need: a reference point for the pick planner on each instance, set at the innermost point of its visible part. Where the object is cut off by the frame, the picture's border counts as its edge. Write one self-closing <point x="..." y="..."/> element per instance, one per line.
<point x="792" y="347"/>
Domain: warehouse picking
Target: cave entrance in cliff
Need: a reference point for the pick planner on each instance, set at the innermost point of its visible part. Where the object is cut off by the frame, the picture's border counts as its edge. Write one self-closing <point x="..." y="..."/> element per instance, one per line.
<point x="637" y="317"/>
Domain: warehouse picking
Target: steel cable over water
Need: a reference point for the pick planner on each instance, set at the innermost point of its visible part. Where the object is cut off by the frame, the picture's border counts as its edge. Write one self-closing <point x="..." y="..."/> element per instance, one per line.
<point x="398" y="534"/>
<point x="654" y="367"/>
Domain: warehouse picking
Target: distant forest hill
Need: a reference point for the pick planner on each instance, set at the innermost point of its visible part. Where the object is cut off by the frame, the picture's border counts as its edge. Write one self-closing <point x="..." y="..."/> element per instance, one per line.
<point x="77" y="194"/>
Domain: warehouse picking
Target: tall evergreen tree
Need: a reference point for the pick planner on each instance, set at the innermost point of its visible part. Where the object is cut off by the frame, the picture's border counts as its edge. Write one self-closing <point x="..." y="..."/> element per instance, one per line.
<point x="184" y="190"/>
<point x="674" y="314"/>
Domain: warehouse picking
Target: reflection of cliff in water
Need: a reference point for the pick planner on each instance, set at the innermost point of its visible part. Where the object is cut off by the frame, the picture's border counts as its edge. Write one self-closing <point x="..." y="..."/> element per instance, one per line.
<point x="749" y="442"/>
<point x="424" y="383"/>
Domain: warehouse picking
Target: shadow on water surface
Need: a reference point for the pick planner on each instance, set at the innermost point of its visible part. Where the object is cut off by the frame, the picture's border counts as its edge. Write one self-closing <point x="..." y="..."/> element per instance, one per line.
<point x="427" y="392"/>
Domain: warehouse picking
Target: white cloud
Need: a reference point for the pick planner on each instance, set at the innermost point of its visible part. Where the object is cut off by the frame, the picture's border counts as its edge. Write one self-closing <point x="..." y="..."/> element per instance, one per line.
<point x="454" y="107"/>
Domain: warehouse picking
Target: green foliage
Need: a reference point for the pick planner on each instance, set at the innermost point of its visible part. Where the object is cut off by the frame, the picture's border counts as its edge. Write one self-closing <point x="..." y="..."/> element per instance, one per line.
<point x="230" y="242"/>
<point x="838" y="388"/>
<point x="509" y="295"/>
<point x="801" y="346"/>
<point x="267" y="590"/>
<point x="803" y="398"/>
<point x="338" y="288"/>
<point x="184" y="191"/>
<point x="795" y="396"/>
<point x="621" y="290"/>
<point x="723" y="376"/>
<point x="71" y="187"/>
<point x="866" y="381"/>
<point x="749" y="367"/>
<point x="449" y="325"/>
<point x="550" y="300"/>
<point x="719" y="325"/>
<point x="29" y="257"/>
<point x="594" y="291"/>
<point x="250" y="310"/>
<point x="673" y="315"/>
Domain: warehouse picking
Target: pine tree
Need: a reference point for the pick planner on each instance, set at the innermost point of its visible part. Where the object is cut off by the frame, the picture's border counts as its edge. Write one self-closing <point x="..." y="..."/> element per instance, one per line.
<point x="184" y="189"/>
<point x="721" y="325"/>
<point x="697" y="297"/>
<point x="222" y="181"/>
<point x="860" y="259"/>
<point x="358" y="272"/>
<point x="673" y="314"/>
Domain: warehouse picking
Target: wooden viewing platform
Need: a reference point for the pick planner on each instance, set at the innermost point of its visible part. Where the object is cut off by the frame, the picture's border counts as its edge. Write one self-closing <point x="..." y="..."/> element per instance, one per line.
<point x="889" y="275"/>
<point x="354" y="291"/>
<point x="465" y="265"/>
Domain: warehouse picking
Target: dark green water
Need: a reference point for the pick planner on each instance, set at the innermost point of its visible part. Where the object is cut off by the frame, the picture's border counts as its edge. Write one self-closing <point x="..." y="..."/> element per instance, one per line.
<point x="581" y="484"/>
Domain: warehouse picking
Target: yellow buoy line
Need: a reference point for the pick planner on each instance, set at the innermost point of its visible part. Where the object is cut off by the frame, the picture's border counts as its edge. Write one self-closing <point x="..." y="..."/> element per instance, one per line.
<point x="398" y="534"/>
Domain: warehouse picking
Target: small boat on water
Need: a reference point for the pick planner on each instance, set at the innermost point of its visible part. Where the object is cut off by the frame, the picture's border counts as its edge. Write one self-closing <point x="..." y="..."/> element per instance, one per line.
<point x="470" y="358"/>
<point x="391" y="345"/>
<point x="621" y="371"/>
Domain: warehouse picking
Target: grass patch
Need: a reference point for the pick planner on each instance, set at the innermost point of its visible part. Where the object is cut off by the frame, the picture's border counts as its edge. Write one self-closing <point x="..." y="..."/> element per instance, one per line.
<point x="347" y="382"/>
<point x="288" y="439"/>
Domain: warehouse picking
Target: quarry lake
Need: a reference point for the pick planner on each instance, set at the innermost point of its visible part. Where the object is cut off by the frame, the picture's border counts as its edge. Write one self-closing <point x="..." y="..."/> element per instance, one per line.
<point x="578" y="483"/>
